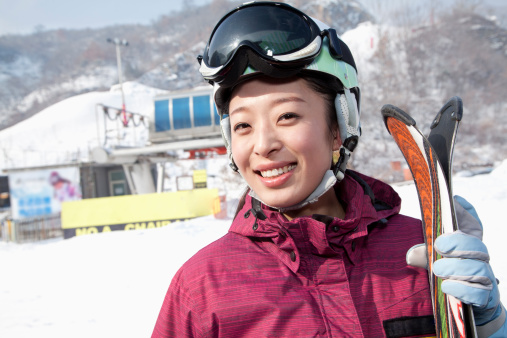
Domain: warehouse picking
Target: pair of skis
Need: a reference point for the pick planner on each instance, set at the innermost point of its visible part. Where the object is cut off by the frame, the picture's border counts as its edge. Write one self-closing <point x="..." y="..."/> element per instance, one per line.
<point x="430" y="162"/>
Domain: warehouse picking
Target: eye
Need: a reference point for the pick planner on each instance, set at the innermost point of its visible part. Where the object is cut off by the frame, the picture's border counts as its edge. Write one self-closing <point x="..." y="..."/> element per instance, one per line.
<point x="240" y="126"/>
<point x="288" y="116"/>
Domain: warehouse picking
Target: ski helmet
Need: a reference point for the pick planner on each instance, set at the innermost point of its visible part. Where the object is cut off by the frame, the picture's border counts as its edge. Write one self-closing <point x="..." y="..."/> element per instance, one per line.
<point x="277" y="40"/>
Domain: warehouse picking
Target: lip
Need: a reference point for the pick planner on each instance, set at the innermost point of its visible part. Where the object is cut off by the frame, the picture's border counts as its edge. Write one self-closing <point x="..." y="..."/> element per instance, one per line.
<point x="277" y="181"/>
<point x="272" y="165"/>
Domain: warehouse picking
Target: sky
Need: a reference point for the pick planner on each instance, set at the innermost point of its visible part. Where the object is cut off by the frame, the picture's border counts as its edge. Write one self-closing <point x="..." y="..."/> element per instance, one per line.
<point x="23" y="16"/>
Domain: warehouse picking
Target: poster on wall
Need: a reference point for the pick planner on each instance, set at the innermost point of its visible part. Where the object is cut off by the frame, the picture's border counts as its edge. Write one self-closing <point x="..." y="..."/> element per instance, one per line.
<point x="41" y="192"/>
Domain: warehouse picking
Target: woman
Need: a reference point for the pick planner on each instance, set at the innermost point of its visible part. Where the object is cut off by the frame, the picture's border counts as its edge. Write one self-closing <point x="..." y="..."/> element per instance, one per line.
<point x="314" y="250"/>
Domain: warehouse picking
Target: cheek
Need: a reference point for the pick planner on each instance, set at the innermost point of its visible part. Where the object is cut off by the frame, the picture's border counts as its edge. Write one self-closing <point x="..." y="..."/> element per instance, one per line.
<point x="314" y="152"/>
<point x="239" y="153"/>
<point x="314" y="140"/>
<point x="302" y="143"/>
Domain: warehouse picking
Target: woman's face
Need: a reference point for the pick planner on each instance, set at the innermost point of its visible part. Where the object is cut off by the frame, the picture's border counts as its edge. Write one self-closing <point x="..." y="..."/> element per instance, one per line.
<point x="281" y="141"/>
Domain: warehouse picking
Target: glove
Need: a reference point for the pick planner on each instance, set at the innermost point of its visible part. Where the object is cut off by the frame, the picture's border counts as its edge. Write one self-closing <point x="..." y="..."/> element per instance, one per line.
<point x="465" y="270"/>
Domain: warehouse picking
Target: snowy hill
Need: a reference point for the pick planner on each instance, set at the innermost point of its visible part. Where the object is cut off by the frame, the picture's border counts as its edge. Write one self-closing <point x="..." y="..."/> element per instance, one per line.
<point x="65" y="132"/>
<point x="40" y="69"/>
<point x="416" y="67"/>
<point x="113" y="284"/>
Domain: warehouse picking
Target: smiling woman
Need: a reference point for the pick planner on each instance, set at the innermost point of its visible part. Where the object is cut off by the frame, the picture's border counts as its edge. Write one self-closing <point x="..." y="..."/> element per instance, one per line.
<point x="315" y="250"/>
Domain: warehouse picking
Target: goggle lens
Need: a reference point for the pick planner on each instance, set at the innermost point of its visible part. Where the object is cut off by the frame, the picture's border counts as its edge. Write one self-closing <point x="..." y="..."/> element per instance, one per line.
<point x="269" y="30"/>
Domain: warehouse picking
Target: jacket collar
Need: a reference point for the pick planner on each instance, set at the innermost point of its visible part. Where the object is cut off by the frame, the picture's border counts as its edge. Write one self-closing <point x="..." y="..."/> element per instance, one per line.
<point x="326" y="234"/>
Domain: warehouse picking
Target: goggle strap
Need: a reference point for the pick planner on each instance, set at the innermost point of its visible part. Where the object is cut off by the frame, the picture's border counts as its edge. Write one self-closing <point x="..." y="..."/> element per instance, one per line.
<point x="263" y="66"/>
<point x="232" y="73"/>
<point x="338" y="49"/>
<point x="248" y="57"/>
<point x="334" y="44"/>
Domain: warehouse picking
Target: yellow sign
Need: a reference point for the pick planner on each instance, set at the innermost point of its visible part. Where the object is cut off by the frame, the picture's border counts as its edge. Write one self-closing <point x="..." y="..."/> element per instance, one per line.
<point x="134" y="212"/>
<point x="200" y="178"/>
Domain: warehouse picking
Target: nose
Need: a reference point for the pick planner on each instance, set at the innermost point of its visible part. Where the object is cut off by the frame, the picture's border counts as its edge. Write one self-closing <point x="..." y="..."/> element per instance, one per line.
<point x="266" y="141"/>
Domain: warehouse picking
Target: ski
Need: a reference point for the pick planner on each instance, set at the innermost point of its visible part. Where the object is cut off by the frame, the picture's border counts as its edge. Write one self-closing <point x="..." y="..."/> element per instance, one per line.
<point x="430" y="162"/>
<point x="442" y="138"/>
<point x="443" y="135"/>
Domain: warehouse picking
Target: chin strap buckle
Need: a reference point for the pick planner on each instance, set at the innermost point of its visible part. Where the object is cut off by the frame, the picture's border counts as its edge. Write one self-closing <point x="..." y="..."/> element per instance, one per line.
<point x="341" y="165"/>
<point x="233" y="166"/>
<point x="345" y="152"/>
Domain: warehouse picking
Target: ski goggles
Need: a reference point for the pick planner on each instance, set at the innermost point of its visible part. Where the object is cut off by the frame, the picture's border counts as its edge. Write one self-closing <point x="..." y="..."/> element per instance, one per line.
<point x="273" y="38"/>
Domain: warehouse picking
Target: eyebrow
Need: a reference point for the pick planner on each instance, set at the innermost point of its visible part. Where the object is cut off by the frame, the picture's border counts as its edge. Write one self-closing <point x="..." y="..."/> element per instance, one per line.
<point x="274" y="103"/>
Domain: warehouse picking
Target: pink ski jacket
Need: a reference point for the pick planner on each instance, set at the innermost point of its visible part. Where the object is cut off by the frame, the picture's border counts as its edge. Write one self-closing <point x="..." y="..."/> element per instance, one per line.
<point x="314" y="276"/>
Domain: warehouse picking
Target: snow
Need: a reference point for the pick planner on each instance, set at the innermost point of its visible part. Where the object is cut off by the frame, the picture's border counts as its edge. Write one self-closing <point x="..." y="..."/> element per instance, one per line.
<point x="20" y="67"/>
<point x="68" y="130"/>
<point x="95" y="286"/>
<point x="113" y="284"/>
<point x="362" y="40"/>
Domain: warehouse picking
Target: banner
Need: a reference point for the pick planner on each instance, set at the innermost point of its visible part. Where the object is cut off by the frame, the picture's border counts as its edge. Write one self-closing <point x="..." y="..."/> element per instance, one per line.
<point x="135" y="212"/>
<point x="200" y="179"/>
<point x="41" y="192"/>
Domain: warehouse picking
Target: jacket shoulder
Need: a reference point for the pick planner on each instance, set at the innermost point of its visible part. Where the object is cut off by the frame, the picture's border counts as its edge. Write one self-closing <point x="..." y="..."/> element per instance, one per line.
<point x="226" y="254"/>
<point x="400" y="233"/>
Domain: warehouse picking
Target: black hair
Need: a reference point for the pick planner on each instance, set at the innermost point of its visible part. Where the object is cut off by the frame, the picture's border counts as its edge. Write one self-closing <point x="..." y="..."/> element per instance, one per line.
<point x="329" y="86"/>
<point x="324" y="84"/>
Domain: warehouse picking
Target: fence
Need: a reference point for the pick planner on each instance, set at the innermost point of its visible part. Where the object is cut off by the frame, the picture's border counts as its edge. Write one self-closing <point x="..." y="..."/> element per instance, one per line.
<point x="32" y="229"/>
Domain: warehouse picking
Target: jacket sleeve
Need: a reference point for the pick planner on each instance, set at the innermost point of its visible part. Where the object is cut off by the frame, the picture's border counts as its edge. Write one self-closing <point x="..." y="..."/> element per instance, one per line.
<point x="177" y="317"/>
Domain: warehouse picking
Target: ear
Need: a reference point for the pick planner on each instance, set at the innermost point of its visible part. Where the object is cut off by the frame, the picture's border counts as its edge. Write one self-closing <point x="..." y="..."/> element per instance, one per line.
<point x="337" y="141"/>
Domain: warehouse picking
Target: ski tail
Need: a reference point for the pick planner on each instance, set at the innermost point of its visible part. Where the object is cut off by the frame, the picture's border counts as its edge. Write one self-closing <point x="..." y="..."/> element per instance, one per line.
<point x="442" y="137"/>
<point x="437" y="212"/>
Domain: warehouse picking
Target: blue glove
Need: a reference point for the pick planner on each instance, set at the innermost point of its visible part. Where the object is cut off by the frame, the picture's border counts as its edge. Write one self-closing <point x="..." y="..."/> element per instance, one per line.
<point x="466" y="272"/>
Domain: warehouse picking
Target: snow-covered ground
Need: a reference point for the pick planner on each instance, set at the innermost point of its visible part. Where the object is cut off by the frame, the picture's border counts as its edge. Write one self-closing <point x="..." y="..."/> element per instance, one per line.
<point x="113" y="284"/>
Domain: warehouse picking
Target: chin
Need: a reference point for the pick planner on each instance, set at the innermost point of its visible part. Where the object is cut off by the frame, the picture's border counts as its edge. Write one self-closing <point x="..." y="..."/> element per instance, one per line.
<point x="279" y="202"/>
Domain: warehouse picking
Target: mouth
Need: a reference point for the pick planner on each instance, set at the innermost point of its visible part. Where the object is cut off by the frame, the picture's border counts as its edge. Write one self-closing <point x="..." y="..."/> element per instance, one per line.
<point x="277" y="172"/>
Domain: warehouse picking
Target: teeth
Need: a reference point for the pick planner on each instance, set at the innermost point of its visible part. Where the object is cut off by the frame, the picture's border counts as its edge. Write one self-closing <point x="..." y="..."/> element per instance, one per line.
<point x="279" y="171"/>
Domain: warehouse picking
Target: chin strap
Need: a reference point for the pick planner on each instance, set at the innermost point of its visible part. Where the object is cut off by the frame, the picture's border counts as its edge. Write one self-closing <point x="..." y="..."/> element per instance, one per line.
<point x="345" y="153"/>
<point x="328" y="181"/>
<point x="341" y="165"/>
